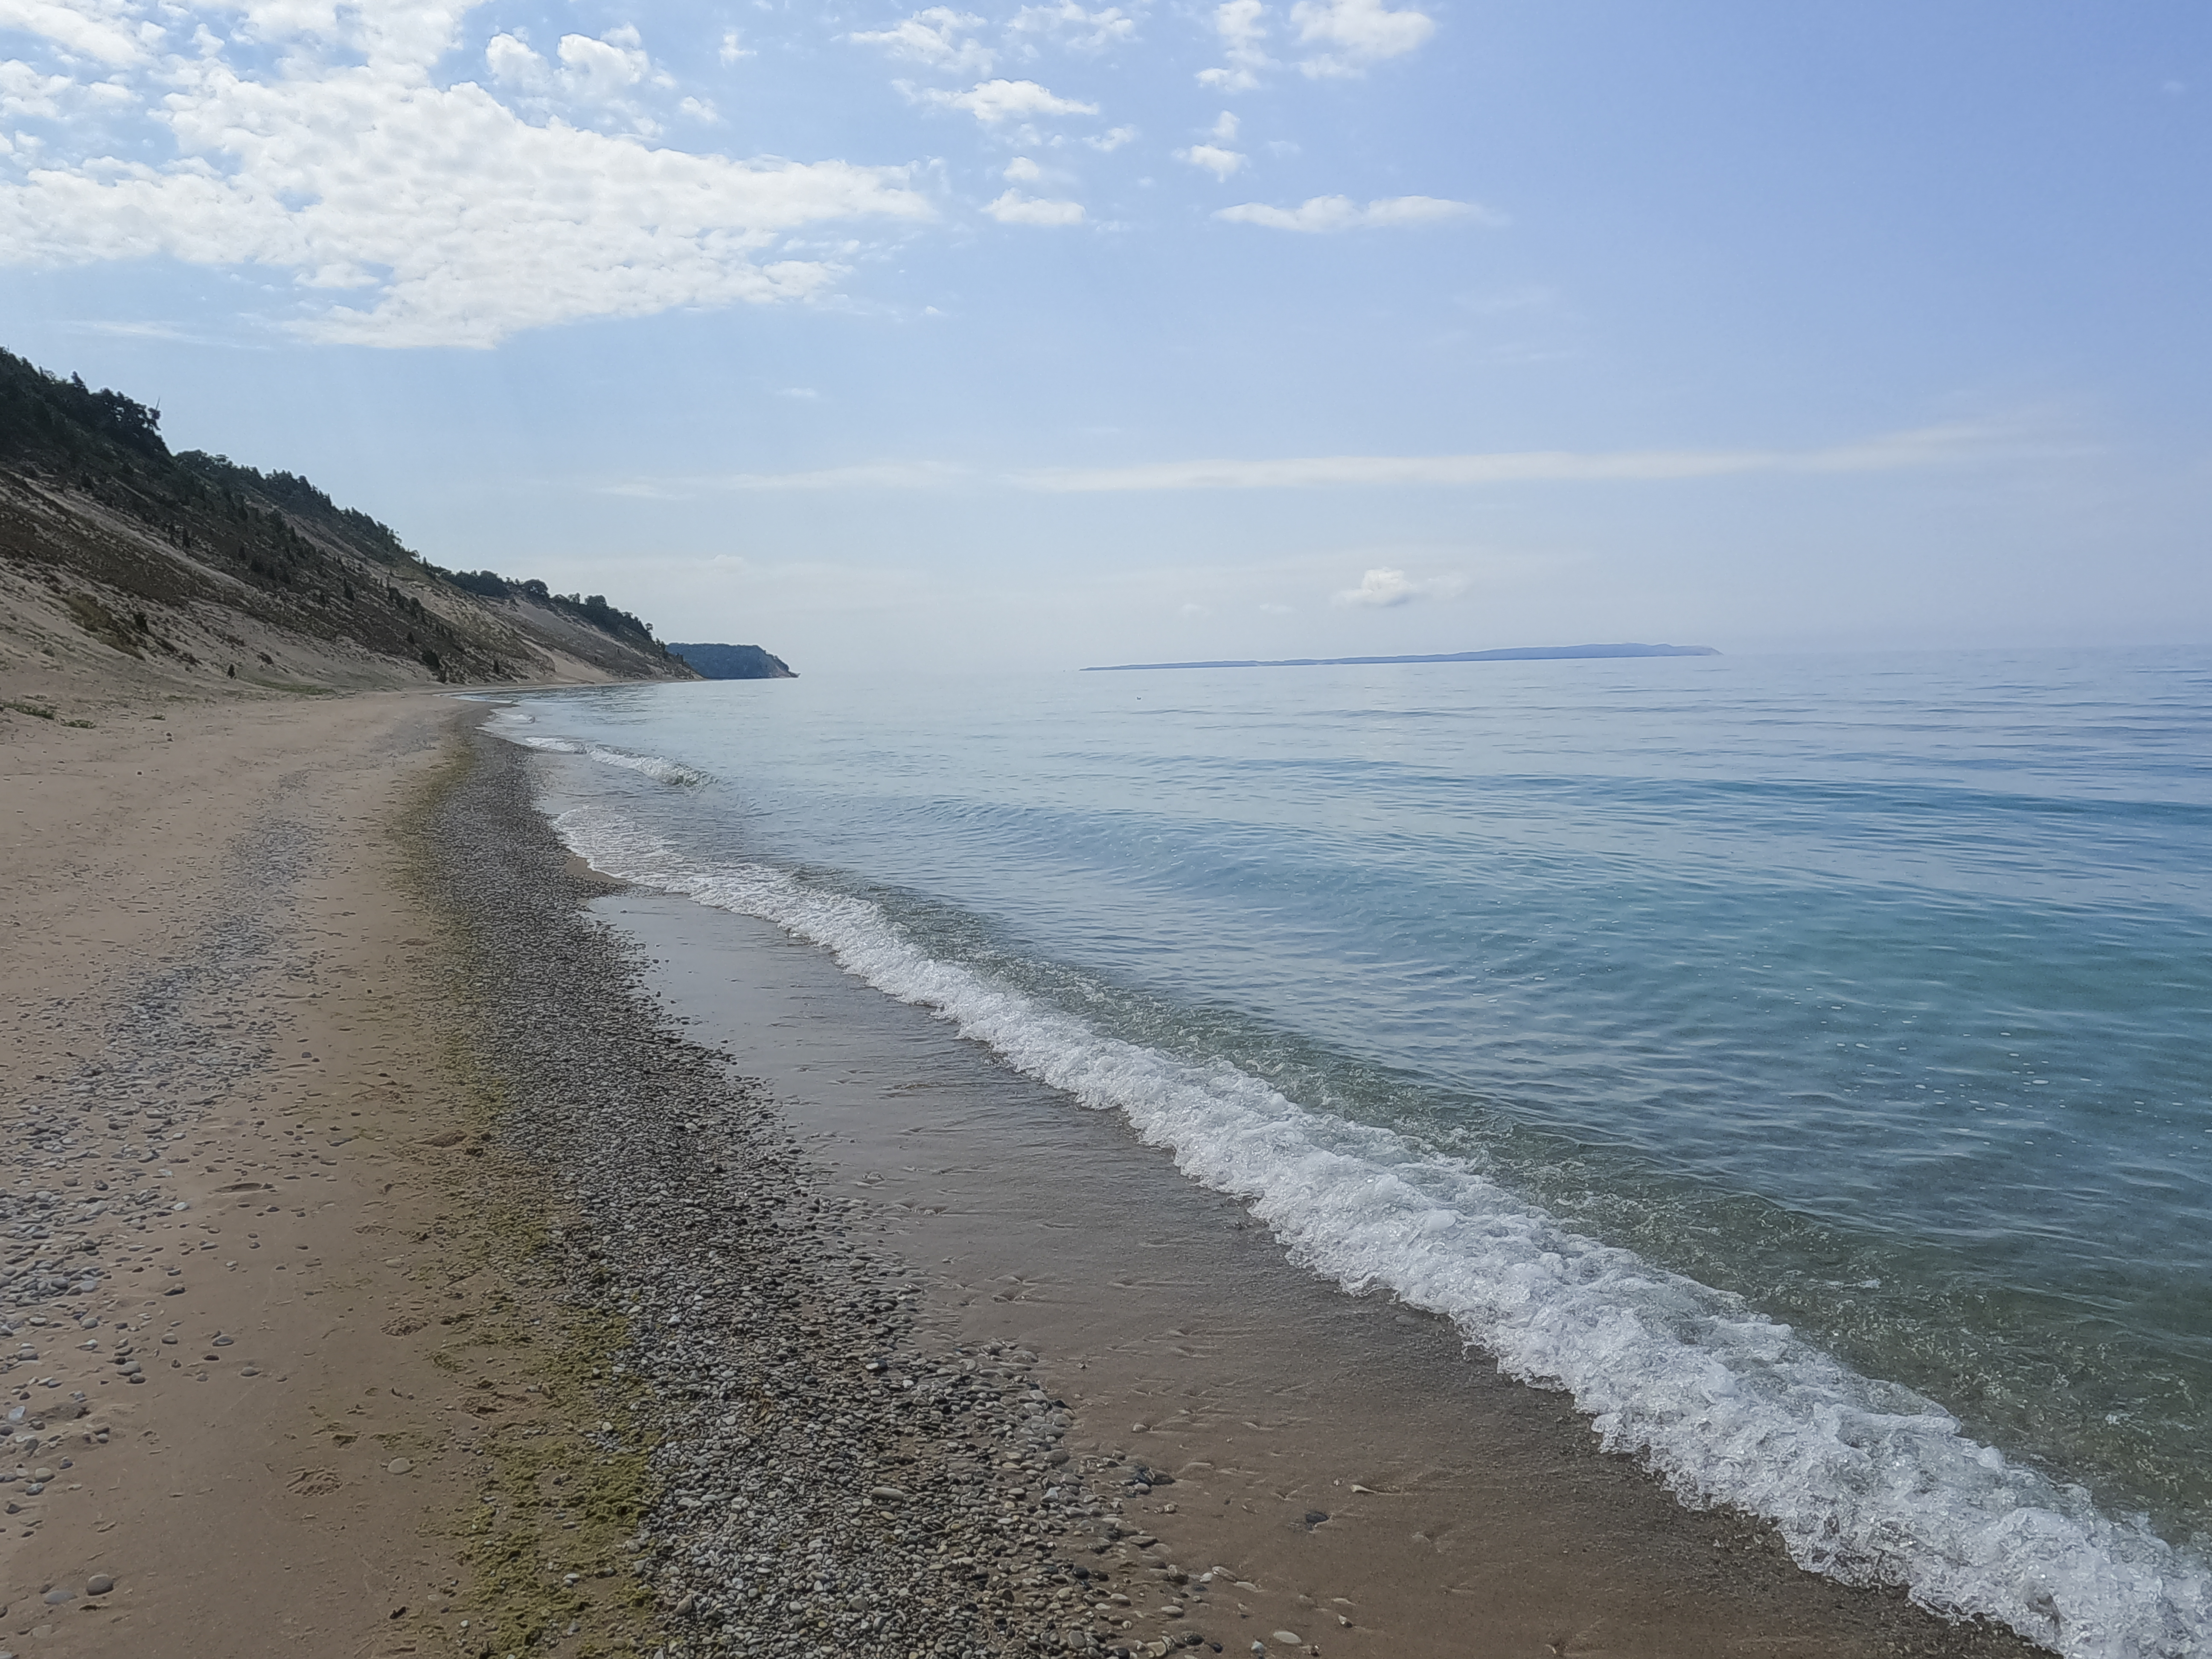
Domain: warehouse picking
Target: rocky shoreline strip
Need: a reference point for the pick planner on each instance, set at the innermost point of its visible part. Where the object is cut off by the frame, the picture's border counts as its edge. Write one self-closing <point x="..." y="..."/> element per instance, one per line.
<point x="822" y="1479"/>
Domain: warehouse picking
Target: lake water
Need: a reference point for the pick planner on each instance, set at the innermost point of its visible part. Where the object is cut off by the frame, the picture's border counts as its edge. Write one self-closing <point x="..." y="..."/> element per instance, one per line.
<point x="1804" y="1062"/>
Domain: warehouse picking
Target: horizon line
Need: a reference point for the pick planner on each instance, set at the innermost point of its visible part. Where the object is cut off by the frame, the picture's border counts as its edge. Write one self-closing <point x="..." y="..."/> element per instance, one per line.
<point x="1509" y="653"/>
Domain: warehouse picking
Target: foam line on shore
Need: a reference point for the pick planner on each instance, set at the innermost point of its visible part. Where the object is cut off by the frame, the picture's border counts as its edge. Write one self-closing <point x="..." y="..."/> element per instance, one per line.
<point x="652" y="766"/>
<point x="1867" y="1481"/>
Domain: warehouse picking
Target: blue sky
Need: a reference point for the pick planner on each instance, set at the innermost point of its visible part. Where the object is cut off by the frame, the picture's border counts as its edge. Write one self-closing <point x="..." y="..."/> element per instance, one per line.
<point x="1040" y="334"/>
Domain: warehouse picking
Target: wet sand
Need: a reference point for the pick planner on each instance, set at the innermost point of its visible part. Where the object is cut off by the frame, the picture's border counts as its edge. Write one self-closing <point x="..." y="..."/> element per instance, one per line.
<point x="1358" y="1479"/>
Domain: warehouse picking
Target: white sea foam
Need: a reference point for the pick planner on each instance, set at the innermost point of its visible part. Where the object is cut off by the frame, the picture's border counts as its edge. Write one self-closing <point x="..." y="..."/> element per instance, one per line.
<point x="1868" y="1481"/>
<point x="652" y="766"/>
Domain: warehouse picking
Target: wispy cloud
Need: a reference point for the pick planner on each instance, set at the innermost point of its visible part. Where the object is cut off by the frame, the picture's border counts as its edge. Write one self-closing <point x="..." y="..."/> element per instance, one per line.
<point x="1385" y="588"/>
<point x="99" y="29"/>
<point x="1895" y="451"/>
<point x="994" y="101"/>
<point x="115" y="329"/>
<point x="1956" y="445"/>
<point x="1325" y="214"/>
<point x="881" y="475"/>
<point x="1242" y="28"/>
<point x="1015" y="209"/>
<point x="938" y="36"/>
<point x="1213" y="159"/>
<point x="1348" y="35"/>
<point x="1074" y="26"/>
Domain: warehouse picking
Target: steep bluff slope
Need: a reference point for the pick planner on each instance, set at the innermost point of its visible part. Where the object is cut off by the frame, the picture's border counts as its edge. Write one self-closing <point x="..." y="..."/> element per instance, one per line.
<point x="122" y="563"/>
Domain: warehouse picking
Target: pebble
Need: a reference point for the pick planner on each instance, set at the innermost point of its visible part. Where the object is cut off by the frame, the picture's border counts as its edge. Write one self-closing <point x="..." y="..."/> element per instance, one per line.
<point x="398" y="1465"/>
<point x="99" y="1584"/>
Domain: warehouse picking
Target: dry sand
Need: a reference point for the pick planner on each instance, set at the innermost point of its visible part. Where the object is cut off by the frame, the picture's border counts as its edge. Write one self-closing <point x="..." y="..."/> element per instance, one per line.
<point x="213" y="956"/>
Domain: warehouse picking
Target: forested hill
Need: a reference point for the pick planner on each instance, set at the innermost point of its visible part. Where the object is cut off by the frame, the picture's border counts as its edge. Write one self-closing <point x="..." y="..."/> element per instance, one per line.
<point x="733" y="662"/>
<point x="115" y="554"/>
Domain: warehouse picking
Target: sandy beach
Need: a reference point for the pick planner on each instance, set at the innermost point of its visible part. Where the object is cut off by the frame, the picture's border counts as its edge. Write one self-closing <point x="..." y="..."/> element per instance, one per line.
<point x="420" y="1245"/>
<point x="221" y="1069"/>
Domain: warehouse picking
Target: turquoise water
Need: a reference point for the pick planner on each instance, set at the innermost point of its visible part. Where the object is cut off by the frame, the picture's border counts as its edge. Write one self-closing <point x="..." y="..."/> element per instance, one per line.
<point x="1629" y="1011"/>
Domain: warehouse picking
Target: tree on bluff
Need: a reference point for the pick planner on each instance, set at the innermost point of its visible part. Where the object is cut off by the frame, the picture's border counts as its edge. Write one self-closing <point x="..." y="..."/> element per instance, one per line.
<point x="45" y="418"/>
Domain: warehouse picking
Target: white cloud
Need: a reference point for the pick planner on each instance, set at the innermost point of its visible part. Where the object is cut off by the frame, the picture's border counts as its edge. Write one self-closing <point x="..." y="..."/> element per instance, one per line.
<point x="1242" y="26"/>
<point x="27" y="95"/>
<point x="1354" y="33"/>
<point x="101" y="29"/>
<point x="1112" y="139"/>
<point x="1891" y="452"/>
<point x="511" y="62"/>
<point x="1004" y="101"/>
<point x="1382" y="588"/>
<point x="1331" y="213"/>
<point x="1224" y="130"/>
<point x="734" y="47"/>
<point x="1015" y="209"/>
<point x="1213" y="159"/>
<point x="597" y="76"/>
<point x="463" y="222"/>
<point x="934" y="37"/>
<point x="1073" y="27"/>
<point x="602" y="70"/>
<point x="1023" y="171"/>
<point x="805" y="394"/>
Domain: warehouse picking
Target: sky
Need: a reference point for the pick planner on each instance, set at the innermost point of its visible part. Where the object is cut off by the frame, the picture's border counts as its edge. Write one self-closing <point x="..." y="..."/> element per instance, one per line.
<point x="1037" y="335"/>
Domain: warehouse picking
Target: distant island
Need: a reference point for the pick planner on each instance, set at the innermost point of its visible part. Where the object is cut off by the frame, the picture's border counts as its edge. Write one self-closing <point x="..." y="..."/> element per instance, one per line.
<point x="733" y="662"/>
<point x="1516" y="653"/>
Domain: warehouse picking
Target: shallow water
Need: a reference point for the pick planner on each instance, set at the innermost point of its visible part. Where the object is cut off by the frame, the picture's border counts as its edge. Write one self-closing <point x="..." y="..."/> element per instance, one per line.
<point x="1802" y="1061"/>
